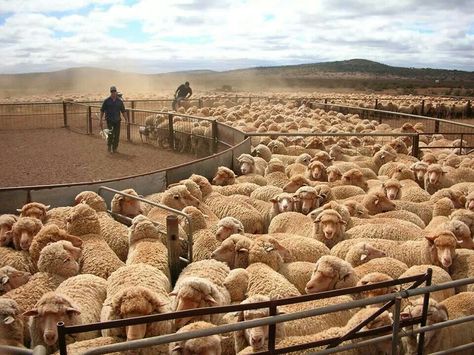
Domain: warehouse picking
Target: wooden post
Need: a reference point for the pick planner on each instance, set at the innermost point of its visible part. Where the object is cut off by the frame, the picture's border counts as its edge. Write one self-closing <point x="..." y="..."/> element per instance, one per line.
<point x="437" y="126"/>
<point x="200" y="103"/>
<point x="89" y="120"/>
<point x="65" y="113"/>
<point x="128" y="126"/>
<point x="422" y="107"/>
<point x="132" y="117"/>
<point x="215" y="140"/>
<point x="415" y="148"/>
<point x="173" y="247"/>
<point x="170" y="129"/>
<point x="376" y="104"/>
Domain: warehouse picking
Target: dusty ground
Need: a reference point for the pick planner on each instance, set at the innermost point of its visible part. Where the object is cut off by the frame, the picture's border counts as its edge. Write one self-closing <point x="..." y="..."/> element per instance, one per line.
<point x="54" y="156"/>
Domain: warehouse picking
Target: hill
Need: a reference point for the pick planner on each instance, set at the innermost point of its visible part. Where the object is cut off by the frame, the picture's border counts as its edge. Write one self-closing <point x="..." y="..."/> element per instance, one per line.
<point x="354" y="73"/>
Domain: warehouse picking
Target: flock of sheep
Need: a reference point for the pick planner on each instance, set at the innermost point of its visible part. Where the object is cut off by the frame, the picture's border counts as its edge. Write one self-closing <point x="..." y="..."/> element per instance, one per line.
<point x="304" y="215"/>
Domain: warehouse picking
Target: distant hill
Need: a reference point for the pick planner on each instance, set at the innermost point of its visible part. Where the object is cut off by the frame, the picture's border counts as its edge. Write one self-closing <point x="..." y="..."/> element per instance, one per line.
<point x="353" y="73"/>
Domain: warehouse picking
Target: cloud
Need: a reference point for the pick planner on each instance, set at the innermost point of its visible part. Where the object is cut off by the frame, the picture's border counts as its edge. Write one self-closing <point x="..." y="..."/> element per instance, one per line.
<point x="150" y="36"/>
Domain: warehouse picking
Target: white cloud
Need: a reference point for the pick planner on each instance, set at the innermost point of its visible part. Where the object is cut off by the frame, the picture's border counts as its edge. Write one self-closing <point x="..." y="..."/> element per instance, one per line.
<point x="151" y="36"/>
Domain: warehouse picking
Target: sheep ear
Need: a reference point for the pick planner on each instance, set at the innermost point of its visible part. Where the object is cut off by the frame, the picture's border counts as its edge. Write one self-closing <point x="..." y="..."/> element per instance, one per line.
<point x="8" y="320"/>
<point x="173" y="293"/>
<point x="363" y="257"/>
<point x="177" y="348"/>
<point x="76" y="241"/>
<point x="176" y="196"/>
<point x="243" y="250"/>
<point x="47" y="207"/>
<point x="31" y="313"/>
<point x="273" y="200"/>
<point x="4" y="280"/>
<point x="240" y="230"/>
<point x="430" y="239"/>
<point x="210" y="299"/>
<point x="442" y="312"/>
<point x="376" y="201"/>
<point x="72" y="311"/>
<point x="18" y="209"/>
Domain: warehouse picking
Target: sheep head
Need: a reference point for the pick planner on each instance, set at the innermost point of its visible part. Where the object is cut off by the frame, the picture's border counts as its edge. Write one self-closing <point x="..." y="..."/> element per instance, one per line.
<point x="35" y="210"/>
<point x="330" y="223"/>
<point x="334" y="173"/>
<point x="442" y="248"/>
<point x="82" y="220"/>
<point x="392" y="189"/>
<point x="6" y="224"/>
<point x="234" y="251"/>
<point x="60" y="258"/>
<point x="283" y="202"/>
<point x="23" y="232"/>
<point x="92" y="199"/>
<point x="269" y="251"/>
<point x="377" y="202"/>
<point x="329" y="273"/>
<point x="224" y="176"/>
<point x="307" y="198"/>
<point x="11" y="278"/>
<point x="434" y="174"/>
<point x="355" y="177"/>
<point x="228" y="226"/>
<point x="125" y="205"/>
<point x="247" y="164"/>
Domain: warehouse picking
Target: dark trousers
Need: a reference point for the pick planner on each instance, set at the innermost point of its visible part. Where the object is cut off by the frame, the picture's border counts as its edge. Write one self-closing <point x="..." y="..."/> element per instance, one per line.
<point x="114" y="136"/>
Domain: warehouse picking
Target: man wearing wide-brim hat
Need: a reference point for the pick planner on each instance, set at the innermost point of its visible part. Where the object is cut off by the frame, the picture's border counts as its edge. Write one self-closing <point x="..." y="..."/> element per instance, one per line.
<point x="111" y="108"/>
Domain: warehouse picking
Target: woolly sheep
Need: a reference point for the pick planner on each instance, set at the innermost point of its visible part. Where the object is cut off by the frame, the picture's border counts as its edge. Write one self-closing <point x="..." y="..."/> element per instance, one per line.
<point x="329" y="228"/>
<point x="97" y="257"/>
<point x="316" y="171"/>
<point x="224" y="176"/>
<point x="361" y="253"/>
<point x="331" y="273"/>
<point x="137" y="290"/>
<point x="201" y="284"/>
<point x="78" y="300"/>
<point x="23" y="231"/>
<point x="298" y="273"/>
<point x="293" y="223"/>
<point x="6" y="223"/>
<point x="391" y="231"/>
<point x="11" y="324"/>
<point x="356" y="178"/>
<point x="250" y="164"/>
<point x="146" y="245"/>
<point x="237" y="283"/>
<point x="114" y="233"/>
<point x="263" y="280"/>
<point x="18" y="259"/>
<point x="200" y="346"/>
<point x="435" y="179"/>
<point x="234" y="251"/>
<point x="307" y="199"/>
<point x="125" y="205"/>
<point x="296" y="181"/>
<point x="11" y="278"/>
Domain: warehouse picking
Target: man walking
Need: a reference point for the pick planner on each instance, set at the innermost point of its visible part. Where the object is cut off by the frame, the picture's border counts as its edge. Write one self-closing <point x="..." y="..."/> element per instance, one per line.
<point x="112" y="107"/>
<point x="183" y="92"/>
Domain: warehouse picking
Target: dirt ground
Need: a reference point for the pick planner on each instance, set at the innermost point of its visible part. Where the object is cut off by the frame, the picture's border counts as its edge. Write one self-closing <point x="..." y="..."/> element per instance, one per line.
<point x="55" y="156"/>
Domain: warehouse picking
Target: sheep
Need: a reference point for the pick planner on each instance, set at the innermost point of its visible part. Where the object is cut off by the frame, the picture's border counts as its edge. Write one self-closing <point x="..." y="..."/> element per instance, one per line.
<point x="377" y="202"/>
<point x="49" y="234"/>
<point x="334" y="173"/>
<point x="356" y="178"/>
<point x="239" y="188"/>
<point x="114" y="233"/>
<point x="392" y="189"/>
<point x="201" y="284"/>
<point x="34" y="209"/>
<point x="419" y="169"/>
<point x="146" y="245"/>
<point x="256" y="337"/>
<point x="463" y="267"/>
<point x="11" y="324"/>
<point x="304" y="248"/>
<point x="266" y="193"/>
<point x="263" y="152"/>
<point x="251" y="165"/>
<point x="137" y="290"/>
<point x="23" y="231"/>
<point x="439" y="276"/>
<point x="329" y="228"/>
<point x="387" y="229"/>
<point x="228" y="226"/>
<point x="440" y="339"/>
<point x="307" y="199"/>
<point x="237" y="283"/>
<point x="266" y="249"/>
<point x="11" y="278"/>
<point x="224" y="176"/>
<point x="346" y="191"/>
<point x="356" y="209"/>
<point x="78" y="300"/>
<point x="204" y="345"/>
<point x="18" y="259"/>
<point x="125" y="205"/>
<point x="266" y="281"/>
<point x="296" y="181"/>
<point x="361" y="253"/>
<point x="224" y="206"/>
<point x="316" y="171"/>
<point x="435" y="179"/>
<point x="97" y="257"/>
<point x="331" y="273"/>
<point x="6" y="223"/>
<point x="198" y="219"/>
<point x="234" y="251"/>
<point x="389" y="266"/>
<point x="293" y="223"/>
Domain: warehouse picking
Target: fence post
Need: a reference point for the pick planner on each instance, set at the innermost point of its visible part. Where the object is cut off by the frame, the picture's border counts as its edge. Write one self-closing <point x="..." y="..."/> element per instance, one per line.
<point x="89" y="119"/>
<point x="170" y="129"/>
<point x="173" y="246"/>
<point x="376" y="104"/>
<point x="460" y="146"/>
<point x="396" y="325"/>
<point x="325" y="101"/>
<point x="133" y="112"/>
<point x="272" y="329"/>
<point x="200" y="103"/>
<point x="437" y="126"/>
<point x="215" y="139"/>
<point x="65" y="113"/>
<point x="469" y="109"/>
<point x="422" y="108"/>
<point x="128" y="126"/>
<point x="415" y="148"/>
<point x="426" y="300"/>
<point x="61" y="338"/>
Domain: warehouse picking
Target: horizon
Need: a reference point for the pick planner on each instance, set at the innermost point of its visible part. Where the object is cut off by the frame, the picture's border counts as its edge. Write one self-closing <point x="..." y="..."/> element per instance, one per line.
<point x="146" y="37"/>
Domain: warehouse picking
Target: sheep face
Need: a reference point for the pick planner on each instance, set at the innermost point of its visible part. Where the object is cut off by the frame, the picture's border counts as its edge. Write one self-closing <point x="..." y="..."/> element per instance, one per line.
<point x="50" y="310"/>
<point x="420" y="170"/>
<point x="233" y="251"/>
<point x="324" y="278"/>
<point x="436" y="313"/>
<point x="330" y="223"/>
<point x="356" y="209"/>
<point x="61" y="258"/>
<point x="247" y="165"/>
<point x="10" y="278"/>
<point x="356" y="178"/>
<point x="392" y="189"/>
<point x="317" y="171"/>
<point x="378" y="203"/>
<point x="462" y="233"/>
<point x="470" y="202"/>
<point x="125" y="205"/>
<point x="223" y="177"/>
<point x="6" y="224"/>
<point x="23" y="232"/>
<point x="334" y="174"/>
<point x="434" y="174"/>
<point x="442" y="248"/>
<point x="283" y="203"/>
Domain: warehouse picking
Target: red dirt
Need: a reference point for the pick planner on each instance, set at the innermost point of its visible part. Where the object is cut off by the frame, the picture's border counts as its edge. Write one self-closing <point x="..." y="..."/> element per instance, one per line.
<point x="55" y="156"/>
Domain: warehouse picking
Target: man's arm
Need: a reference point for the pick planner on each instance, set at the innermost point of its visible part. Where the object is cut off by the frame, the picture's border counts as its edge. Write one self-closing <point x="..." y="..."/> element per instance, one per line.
<point x="189" y="93"/>
<point x="124" y="113"/>
<point x="102" y="111"/>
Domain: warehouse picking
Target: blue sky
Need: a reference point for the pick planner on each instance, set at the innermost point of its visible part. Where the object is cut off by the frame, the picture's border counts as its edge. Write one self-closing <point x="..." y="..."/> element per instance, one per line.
<point x="151" y="36"/>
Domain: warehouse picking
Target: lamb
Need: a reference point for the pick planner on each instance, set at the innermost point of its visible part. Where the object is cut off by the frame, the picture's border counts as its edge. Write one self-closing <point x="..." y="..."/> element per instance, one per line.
<point x="137" y="290"/>
<point x="11" y="325"/>
<point x="331" y="273"/>
<point x="78" y="300"/>
<point x="440" y="339"/>
<point x="125" y="205"/>
<point x="34" y="209"/>
<point x="11" y="278"/>
<point x="6" y="223"/>
<point x="114" y="233"/>
<point x="23" y="231"/>
<point x="204" y="345"/>
<point x="361" y="253"/>
<point x="250" y="164"/>
<point x="201" y="284"/>
<point x="146" y="245"/>
<point x="97" y="257"/>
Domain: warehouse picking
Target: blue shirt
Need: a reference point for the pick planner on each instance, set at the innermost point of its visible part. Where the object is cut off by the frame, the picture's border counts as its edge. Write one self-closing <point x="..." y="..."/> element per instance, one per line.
<point x="112" y="109"/>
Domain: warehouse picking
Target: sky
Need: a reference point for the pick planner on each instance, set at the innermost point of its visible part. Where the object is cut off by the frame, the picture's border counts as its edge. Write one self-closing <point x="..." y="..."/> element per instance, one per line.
<point x="156" y="36"/>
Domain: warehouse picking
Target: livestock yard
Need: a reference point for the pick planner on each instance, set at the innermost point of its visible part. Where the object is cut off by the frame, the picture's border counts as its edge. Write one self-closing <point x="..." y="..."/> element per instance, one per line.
<point x="238" y="224"/>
